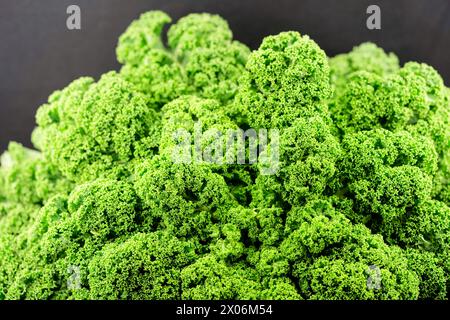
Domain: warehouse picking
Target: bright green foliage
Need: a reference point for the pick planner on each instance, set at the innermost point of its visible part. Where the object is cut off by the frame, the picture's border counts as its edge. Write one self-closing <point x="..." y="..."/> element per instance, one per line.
<point x="389" y="178"/>
<point x="412" y="98"/>
<point x="27" y="178"/>
<point x="442" y="180"/>
<point x="147" y="64"/>
<point x="261" y="225"/>
<point x="158" y="76"/>
<point x="198" y="30"/>
<point x="197" y="130"/>
<point x="279" y="289"/>
<point x="286" y="78"/>
<point x="402" y="100"/>
<point x="365" y="57"/>
<point x="306" y="168"/>
<point x="14" y="217"/>
<point x="66" y="234"/>
<point x="433" y="280"/>
<point x="211" y="279"/>
<point x="27" y="181"/>
<point x="335" y="259"/>
<point x="189" y="120"/>
<point x="334" y="278"/>
<point x="386" y="175"/>
<point x="37" y="275"/>
<point x="428" y="228"/>
<point x="145" y="184"/>
<point x="103" y="209"/>
<point x="10" y="261"/>
<point x="189" y="199"/>
<point x="109" y="125"/>
<point x="142" y="37"/>
<point x="214" y="72"/>
<point x="367" y="151"/>
<point x="394" y="125"/>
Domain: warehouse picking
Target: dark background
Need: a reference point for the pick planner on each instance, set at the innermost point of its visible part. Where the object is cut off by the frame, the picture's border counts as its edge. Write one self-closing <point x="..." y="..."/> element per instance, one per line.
<point x="38" y="54"/>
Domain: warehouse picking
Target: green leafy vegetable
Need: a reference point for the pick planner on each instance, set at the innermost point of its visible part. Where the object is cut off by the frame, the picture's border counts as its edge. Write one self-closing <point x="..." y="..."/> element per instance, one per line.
<point x="137" y="190"/>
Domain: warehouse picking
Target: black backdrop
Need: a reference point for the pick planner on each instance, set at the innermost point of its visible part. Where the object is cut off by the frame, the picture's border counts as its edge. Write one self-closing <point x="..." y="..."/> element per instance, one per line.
<point x="38" y="54"/>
